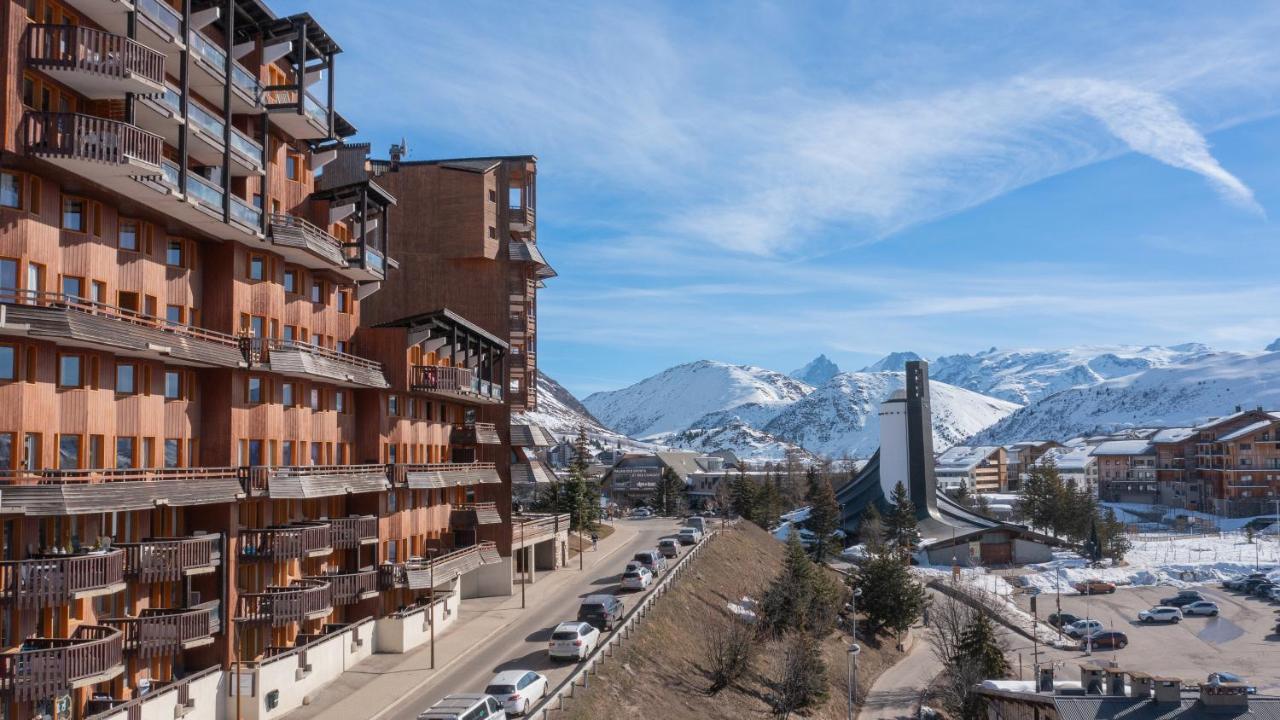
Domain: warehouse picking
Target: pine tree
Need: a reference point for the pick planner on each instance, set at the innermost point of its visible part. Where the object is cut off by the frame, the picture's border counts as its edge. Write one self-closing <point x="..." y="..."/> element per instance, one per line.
<point x="743" y="496"/>
<point x="668" y="495"/>
<point x="766" y="510"/>
<point x="1042" y="497"/>
<point x="900" y="525"/>
<point x="1115" y="543"/>
<point x="824" y="514"/>
<point x="980" y="646"/>
<point x="891" y="597"/>
<point x="785" y="603"/>
<point x="577" y="496"/>
<point x="871" y="529"/>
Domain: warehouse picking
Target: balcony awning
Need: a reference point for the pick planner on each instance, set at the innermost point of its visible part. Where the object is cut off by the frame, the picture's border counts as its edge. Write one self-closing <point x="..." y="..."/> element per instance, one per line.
<point x="451" y="477"/>
<point x="297" y="361"/>
<point x="475" y="515"/>
<point x="89" y="498"/>
<point x="528" y="252"/>
<point x="531" y="472"/>
<point x="298" y="236"/>
<point x="530" y="435"/>
<point x="286" y="484"/>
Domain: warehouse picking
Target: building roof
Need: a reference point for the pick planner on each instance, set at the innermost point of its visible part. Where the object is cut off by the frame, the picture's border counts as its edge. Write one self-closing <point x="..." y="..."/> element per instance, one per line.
<point x="1124" y="447"/>
<point x="470" y="164"/>
<point x="1247" y="430"/>
<point x="1067" y="458"/>
<point x="965" y="457"/>
<point x="350" y="169"/>
<point x="1103" y="707"/>
<point x="1173" y="435"/>
<point x="441" y="321"/>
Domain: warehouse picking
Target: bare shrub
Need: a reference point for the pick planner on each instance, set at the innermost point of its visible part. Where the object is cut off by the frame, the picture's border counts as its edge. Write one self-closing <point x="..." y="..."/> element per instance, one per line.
<point x="728" y="647"/>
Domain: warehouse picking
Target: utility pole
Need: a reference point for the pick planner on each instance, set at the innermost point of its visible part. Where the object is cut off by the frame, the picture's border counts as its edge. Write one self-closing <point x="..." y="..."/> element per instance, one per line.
<point x="852" y="656"/>
<point x="524" y="558"/>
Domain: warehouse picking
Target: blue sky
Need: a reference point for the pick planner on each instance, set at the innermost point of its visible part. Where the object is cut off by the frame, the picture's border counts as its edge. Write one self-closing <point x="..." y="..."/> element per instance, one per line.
<point x="760" y="182"/>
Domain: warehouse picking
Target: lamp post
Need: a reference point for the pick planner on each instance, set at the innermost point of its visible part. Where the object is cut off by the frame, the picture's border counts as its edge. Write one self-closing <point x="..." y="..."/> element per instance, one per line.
<point x="852" y="657"/>
<point x="524" y="558"/>
<point x="431" y="608"/>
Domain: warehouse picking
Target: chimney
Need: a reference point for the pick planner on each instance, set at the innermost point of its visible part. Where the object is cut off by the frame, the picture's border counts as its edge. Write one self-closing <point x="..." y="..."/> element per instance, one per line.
<point x="397" y="153"/>
<point x="1239" y="408"/>
<point x="1224" y="695"/>
<point x="1168" y="690"/>
<point x="1091" y="678"/>
<point x="1140" y="685"/>
<point x="1115" y="681"/>
<point x="1046" y="679"/>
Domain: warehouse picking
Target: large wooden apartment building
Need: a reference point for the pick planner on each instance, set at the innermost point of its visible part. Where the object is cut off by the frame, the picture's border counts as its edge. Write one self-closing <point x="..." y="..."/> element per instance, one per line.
<point x="209" y="452"/>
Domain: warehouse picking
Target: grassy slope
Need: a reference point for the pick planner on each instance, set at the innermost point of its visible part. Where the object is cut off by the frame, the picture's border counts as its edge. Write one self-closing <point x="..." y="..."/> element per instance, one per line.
<point x="660" y="674"/>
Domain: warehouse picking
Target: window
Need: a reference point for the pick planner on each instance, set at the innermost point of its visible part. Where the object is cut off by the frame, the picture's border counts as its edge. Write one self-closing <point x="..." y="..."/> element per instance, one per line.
<point x="493" y="233"/>
<point x="128" y="301"/>
<point x="172" y="452"/>
<point x="149" y="305"/>
<point x="31" y="451"/>
<point x="73" y="214"/>
<point x="257" y="267"/>
<point x="10" y="190"/>
<point x="286" y="453"/>
<point x="290" y="332"/>
<point x="340" y="346"/>
<point x="69" y="452"/>
<point x="393" y="405"/>
<point x="257" y="326"/>
<point x="98" y="291"/>
<point x="8" y="278"/>
<point x="126" y="379"/>
<point x="253" y="391"/>
<point x="292" y="165"/>
<point x="35" y="278"/>
<point x="148" y="452"/>
<point x="316" y="454"/>
<point x="317" y="291"/>
<point x="8" y="364"/>
<point x="172" y="385"/>
<point x="6" y="451"/>
<point x="69" y="371"/>
<point x="174" y="254"/>
<point x="95" y="451"/>
<point x="315" y="398"/>
<point x="343" y="301"/>
<point x="287" y="394"/>
<point x="290" y="280"/>
<point x="72" y="287"/>
<point x="340" y="401"/>
<point x="391" y="453"/>
<point x="126" y="450"/>
<point x="255" y="452"/>
<point x="127" y="235"/>
<point x="174" y="314"/>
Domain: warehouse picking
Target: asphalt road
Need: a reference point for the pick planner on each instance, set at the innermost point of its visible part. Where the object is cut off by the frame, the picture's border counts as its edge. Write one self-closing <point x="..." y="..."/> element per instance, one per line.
<point x="1241" y="639"/>
<point x="523" y="645"/>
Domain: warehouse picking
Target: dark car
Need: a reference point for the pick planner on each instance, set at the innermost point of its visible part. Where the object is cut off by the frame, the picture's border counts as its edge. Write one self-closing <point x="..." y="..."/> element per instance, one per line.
<point x="1252" y="583"/>
<point x="1059" y="620"/>
<point x="602" y="611"/>
<point x="1106" y="640"/>
<point x="1262" y="589"/>
<point x="1225" y="677"/>
<point x="1184" y="598"/>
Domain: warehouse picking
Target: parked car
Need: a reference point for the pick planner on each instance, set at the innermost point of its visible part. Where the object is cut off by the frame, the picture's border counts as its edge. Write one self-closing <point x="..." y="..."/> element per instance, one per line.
<point x="637" y="579"/>
<point x="1275" y="594"/>
<point x="1225" y="677"/>
<point x="1201" y="607"/>
<point x="1239" y="582"/>
<point x="1263" y="589"/>
<point x="574" y="640"/>
<point x="653" y="560"/>
<point x="1080" y="628"/>
<point x="669" y="547"/>
<point x="601" y="611"/>
<point x="1095" y="587"/>
<point x="1252" y="583"/>
<point x="517" y="690"/>
<point x="1160" y="614"/>
<point x="1184" y="597"/>
<point x="697" y="523"/>
<point x="689" y="536"/>
<point x="465" y="706"/>
<point x="1105" y="640"/>
<point x="1061" y="620"/>
<point x="641" y="512"/>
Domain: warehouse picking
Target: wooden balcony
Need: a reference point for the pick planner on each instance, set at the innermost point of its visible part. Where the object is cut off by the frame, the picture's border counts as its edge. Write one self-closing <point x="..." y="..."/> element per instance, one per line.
<point x="300" y="482"/>
<point x="475" y="433"/>
<point x="433" y="476"/>
<point x="300" y="600"/>
<point x="351" y="588"/>
<point x="529" y="529"/>
<point x="45" y="667"/>
<point x="349" y="533"/>
<point x="431" y="573"/>
<point x="454" y="383"/>
<point x="57" y="493"/>
<point x="54" y="580"/>
<point x="97" y="64"/>
<point x="472" y="514"/>
<point x="169" y="559"/>
<point x="106" y="151"/>
<point x="286" y="542"/>
<point x="163" y="631"/>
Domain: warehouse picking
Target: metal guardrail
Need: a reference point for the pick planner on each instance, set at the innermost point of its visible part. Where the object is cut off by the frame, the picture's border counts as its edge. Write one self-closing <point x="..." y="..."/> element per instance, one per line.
<point x="566" y="688"/>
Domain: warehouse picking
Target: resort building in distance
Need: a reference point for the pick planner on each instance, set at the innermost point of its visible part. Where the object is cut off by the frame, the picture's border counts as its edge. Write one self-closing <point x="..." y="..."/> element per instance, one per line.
<point x="255" y="388"/>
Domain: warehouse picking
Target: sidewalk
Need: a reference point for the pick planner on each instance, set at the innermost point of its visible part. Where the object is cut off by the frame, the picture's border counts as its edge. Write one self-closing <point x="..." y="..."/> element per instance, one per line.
<point x="896" y="692"/>
<point x="374" y="683"/>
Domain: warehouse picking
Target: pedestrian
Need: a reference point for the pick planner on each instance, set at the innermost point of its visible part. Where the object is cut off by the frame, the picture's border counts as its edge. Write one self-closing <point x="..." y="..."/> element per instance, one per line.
<point x="925" y="616"/>
<point x="595" y="538"/>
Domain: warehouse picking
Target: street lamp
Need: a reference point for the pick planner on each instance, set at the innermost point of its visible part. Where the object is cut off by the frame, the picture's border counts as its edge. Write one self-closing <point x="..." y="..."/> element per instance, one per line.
<point x="524" y="558"/>
<point x="431" y="607"/>
<point x="852" y="656"/>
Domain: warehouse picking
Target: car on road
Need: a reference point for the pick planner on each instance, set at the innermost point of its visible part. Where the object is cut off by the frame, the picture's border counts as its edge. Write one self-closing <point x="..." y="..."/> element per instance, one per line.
<point x="1225" y="677"/>
<point x="1160" y="614"/>
<point x="637" y="579"/>
<point x="601" y="611"/>
<point x="517" y="690"/>
<point x="465" y="706"/>
<point x="653" y="560"/>
<point x="1094" y="587"/>
<point x="1080" y="628"/>
<point x="1061" y="620"/>
<point x="697" y="523"/>
<point x="1105" y="640"/>
<point x="669" y="547"/>
<point x="1201" y="607"/>
<point x="641" y="512"/>
<point x="1184" y="597"/>
<point x="689" y="536"/>
<point x="573" y="640"/>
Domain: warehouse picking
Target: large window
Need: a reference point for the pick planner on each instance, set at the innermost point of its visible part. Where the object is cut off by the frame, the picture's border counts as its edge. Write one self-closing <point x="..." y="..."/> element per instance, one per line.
<point x="255" y="452"/>
<point x="172" y="385"/>
<point x="317" y="454"/>
<point x="126" y="379"/>
<point x="315" y="398"/>
<point x="72" y="287"/>
<point x="8" y="278"/>
<point x="69" y="452"/>
<point x="317" y="291"/>
<point x="10" y="190"/>
<point x="70" y="372"/>
<point x="286" y="453"/>
<point x="73" y="214"/>
<point x="172" y="452"/>
<point x="290" y="280"/>
<point x="126" y="452"/>
<point x="127" y="235"/>
<point x="174" y="315"/>
<point x="174" y="254"/>
<point x="253" y="391"/>
<point x="257" y="267"/>
<point x="8" y="364"/>
<point x="6" y="451"/>
<point x="340" y="401"/>
<point x="287" y="398"/>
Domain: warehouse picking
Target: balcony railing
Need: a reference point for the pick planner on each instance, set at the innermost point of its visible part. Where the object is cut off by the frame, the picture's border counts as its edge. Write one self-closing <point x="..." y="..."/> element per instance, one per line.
<point x="54" y="580"/>
<point x="300" y="600"/>
<point x="164" y="631"/>
<point x="351" y="588"/>
<point x="486" y="513"/>
<point x="455" y="380"/>
<point x="214" y="56"/>
<point x="163" y="15"/>
<point x="45" y="667"/>
<point x="257" y="479"/>
<point x="286" y="542"/>
<point x="535" y="528"/>
<point x="74" y="136"/>
<point x="170" y="559"/>
<point x="441" y="475"/>
<point x="351" y="532"/>
<point x="84" y="49"/>
<point x="419" y="573"/>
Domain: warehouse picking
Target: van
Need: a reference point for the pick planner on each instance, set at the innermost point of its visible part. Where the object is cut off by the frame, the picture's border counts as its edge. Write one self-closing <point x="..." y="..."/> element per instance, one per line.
<point x="653" y="560"/>
<point x="466" y="706"/>
<point x="602" y="611"/>
<point x="697" y="522"/>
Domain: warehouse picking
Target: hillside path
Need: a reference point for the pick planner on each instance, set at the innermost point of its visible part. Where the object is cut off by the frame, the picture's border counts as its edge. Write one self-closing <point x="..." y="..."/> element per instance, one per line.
<point x="895" y="693"/>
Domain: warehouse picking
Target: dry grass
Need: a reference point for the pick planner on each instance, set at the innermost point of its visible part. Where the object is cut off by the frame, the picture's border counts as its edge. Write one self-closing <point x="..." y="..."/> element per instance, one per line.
<point x="662" y="673"/>
<point x="604" y="530"/>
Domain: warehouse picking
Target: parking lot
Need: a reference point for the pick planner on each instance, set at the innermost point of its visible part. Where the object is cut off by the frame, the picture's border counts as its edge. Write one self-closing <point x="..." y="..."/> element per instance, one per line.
<point x="1241" y="639"/>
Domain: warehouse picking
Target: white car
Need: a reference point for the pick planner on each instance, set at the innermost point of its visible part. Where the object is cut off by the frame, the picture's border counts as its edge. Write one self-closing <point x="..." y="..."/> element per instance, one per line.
<point x="573" y="640"/>
<point x="1161" y="613"/>
<point x="689" y="536"/>
<point x="517" y="690"/>
<point x="637" y="578"/>
<point x="465" y="706"/>
<point x="641" y="513"/>
<point x="1081" y="628"/>
<point x="1201" y="607"/>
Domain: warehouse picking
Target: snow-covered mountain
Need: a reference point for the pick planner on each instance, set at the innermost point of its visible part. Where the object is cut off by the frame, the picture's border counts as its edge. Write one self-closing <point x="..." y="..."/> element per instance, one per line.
<point x="1024" y="376"/>
<point x="674" y="399"/>
<point x="893" y="362"/>
<point x="842" y="417"/>
<point x="1274" y="346"/>
<point x="561" y="414"/>
<point x="736" y="435"/>
<point x="817" y="371"/>
<point x="1207" y="384"/>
